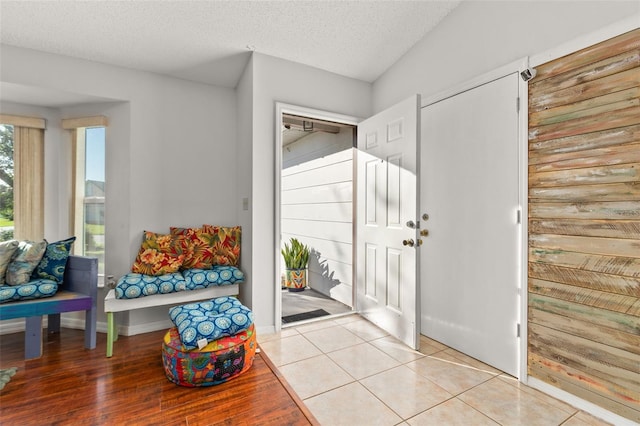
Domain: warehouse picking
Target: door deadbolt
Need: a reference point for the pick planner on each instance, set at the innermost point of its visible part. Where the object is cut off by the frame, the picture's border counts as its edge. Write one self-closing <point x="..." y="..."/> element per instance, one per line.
<point x="424" y="232"/>
<point x="425" y="216"/>
<point x="411" y="224"/>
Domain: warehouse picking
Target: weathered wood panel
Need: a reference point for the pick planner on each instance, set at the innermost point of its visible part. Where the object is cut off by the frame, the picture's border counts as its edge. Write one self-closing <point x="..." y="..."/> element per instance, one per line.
<point x="586" y="193"/>
<point x="625" y="266"/>
<point x="604" y="318"/>
<point x="587" y="279"/>
<point x="614" y="210"/>
<point x="592" y="158"/>
<point x="582" y="294"/>
<point x="579" y="383"/>
<point x="573" y="97"/>
<point x="584" y="224"/>
<point x="545" y="151"/>
<point x="593" y="245"/>
<point x="589" y="72"/>
<point x="596" y="332"/>
<point x="590" y="56"/>
<point x="614" y="119"/>
<point x="587" y="176"/>
<point x="624" y="229"/>
<point x="616" y="369"/>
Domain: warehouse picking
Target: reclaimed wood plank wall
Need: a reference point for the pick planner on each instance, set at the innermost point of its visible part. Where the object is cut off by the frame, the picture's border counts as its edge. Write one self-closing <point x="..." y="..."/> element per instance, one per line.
<point x="584" y="224"/>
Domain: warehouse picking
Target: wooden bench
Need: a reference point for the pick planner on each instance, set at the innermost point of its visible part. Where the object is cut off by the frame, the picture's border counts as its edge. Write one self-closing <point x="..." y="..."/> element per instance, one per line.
<point x="112" y="305"/>
<point x="78" y="292"/>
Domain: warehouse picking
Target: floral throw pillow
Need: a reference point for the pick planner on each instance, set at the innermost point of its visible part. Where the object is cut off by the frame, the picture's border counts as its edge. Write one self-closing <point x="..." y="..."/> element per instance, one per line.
<point x="24" y="261"/>
<point x="158" y="255"/>
<point x="197" y="246"/>
<point x="226" y="244"/>
<point x="54" y="261"/>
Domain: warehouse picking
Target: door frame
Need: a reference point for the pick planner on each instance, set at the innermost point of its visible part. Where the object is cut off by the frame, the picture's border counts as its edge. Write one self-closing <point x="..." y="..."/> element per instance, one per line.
<point x="498" y="73"/>
<point x="280" y="109"/>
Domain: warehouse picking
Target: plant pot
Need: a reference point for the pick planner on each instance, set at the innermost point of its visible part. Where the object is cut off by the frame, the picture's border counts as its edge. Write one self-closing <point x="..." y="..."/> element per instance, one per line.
<point x="295" y="279"/>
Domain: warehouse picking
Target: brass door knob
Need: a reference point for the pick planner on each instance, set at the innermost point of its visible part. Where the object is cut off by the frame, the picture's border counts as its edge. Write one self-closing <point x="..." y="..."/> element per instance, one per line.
<point x="408" y="242"/>
<point x="424" y="232"/>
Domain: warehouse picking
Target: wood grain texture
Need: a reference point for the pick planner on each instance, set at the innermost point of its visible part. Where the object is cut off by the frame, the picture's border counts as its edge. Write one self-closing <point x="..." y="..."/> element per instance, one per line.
<point x="618" y="265"/>
<point x="589" y="56"/>
<point x="70" y="386"/>
<point x="584" y="224"/>
<point x="545" y="151"/>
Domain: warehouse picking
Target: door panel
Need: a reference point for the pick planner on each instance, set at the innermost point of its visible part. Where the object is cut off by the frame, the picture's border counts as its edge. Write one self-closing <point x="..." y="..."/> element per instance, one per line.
<point x="386" y="274"/>
<point x="470" y="190"/>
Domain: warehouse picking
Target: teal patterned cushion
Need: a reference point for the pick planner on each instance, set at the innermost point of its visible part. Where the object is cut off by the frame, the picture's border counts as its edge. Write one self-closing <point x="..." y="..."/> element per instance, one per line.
<point x="35" y="289"/>
<point x="54" y="261"/>
<point x="133" y="285"/>
<point x="210" y="320"/>
<point x="24" y="261"/>
<point x="7" y="250"/>
<point x="218" y="275"/>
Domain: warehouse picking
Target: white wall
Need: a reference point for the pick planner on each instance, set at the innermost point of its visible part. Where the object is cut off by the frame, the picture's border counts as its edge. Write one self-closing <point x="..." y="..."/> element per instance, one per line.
<point x="171" y="151"/>
<point x="479" y="36"/>
<point x="317" y="209"/>
<point x="277" y="80"/>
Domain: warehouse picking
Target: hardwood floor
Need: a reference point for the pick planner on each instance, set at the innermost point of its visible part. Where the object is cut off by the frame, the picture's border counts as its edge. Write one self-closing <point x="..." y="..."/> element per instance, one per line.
<point x="73" y="385"/>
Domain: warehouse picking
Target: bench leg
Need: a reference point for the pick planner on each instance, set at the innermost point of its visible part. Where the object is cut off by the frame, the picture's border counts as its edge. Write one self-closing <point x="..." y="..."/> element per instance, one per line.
<point x="33" y="337"/>
<point x="53" y="323"/>
<point x="112" y="333"/>
<point x="90" y="320"/>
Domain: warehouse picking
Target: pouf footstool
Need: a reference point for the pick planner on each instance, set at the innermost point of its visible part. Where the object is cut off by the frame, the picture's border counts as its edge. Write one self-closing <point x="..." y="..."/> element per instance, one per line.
<point x="212" y="342"/>
<point x="216" y="363"/>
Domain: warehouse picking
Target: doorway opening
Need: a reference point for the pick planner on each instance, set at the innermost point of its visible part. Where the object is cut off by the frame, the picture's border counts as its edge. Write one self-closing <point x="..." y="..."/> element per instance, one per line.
<point x="316" y="213"/>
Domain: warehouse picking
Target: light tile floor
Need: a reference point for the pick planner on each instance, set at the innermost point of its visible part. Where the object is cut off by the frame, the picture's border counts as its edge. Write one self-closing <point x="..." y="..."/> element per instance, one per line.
<point x="349" y="372"/>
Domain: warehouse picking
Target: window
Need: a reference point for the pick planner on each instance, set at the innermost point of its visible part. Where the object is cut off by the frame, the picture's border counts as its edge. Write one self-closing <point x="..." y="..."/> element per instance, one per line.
<point x="88" y="187"/>
<point x="89" y="224"/>
<point x="6" y="182"/>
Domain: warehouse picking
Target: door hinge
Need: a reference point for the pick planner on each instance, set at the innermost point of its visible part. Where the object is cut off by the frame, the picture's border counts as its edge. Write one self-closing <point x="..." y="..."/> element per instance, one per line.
<point x="518" y="330"/>
<point x="518" y="104"/>
<point x="518" y="216"/>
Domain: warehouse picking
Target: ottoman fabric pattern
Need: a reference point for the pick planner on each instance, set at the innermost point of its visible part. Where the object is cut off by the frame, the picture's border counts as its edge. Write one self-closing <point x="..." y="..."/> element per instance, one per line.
<point x="210" y="320"/>
<point x="218" y="362"/>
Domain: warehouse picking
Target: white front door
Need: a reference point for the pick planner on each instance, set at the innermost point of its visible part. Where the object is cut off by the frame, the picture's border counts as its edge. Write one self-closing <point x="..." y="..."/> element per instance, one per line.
<point x="470" y="189"/>
<point x="387" y="242"/>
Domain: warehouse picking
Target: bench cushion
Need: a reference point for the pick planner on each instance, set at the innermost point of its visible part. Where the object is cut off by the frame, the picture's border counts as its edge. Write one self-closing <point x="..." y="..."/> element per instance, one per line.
<point x="133" y="285"/>
<point x="34" y="289"/>
<point x="210" y="320"/>
<point x="218" y="275"/>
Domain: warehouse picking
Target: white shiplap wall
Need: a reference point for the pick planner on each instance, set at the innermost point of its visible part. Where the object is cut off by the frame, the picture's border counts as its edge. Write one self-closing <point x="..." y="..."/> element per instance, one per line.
<point x="317" y="208"/>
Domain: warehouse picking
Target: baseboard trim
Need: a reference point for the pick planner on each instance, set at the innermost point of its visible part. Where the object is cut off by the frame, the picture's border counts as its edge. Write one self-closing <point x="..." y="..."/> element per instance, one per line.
<point x="589" y="407"/>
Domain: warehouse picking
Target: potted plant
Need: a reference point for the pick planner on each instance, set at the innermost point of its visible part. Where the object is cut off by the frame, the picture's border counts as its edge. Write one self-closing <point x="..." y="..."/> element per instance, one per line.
<point x="296" y="258"/>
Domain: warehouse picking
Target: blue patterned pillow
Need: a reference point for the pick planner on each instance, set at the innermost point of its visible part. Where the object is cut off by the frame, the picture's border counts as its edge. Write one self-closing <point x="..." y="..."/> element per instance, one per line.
<point x="54" y="261"/>
<point x="132" y="285"/>
<point x="210" y="320"/>
<point x="35" y="289"/>
<point x="218" y="275"/>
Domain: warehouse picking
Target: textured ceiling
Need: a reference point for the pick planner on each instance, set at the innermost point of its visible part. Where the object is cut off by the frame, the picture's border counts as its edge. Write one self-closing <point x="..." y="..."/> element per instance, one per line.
<point x="207" y="41"/>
